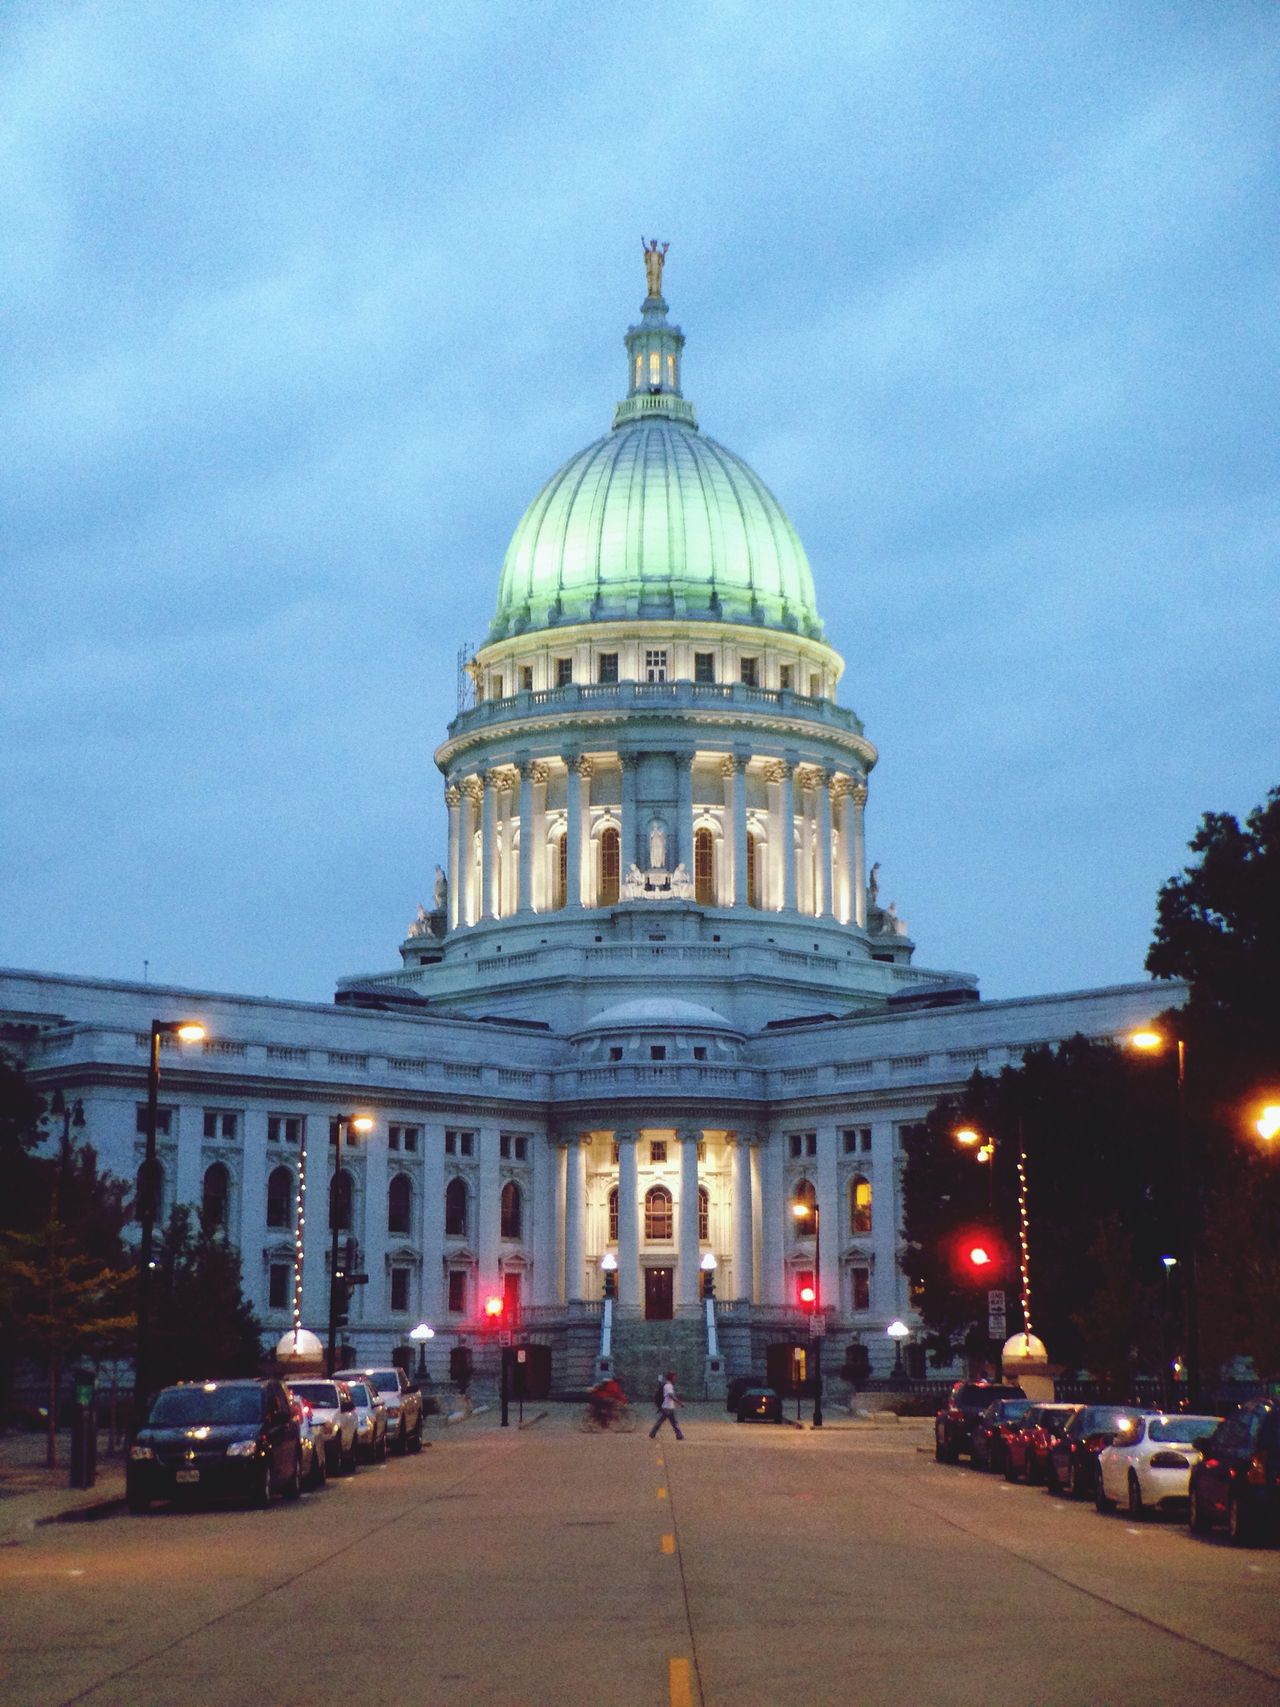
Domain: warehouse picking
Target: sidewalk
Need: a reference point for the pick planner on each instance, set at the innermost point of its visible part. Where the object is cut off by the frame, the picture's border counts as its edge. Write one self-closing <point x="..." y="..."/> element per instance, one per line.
<point x="31" y="1494"/>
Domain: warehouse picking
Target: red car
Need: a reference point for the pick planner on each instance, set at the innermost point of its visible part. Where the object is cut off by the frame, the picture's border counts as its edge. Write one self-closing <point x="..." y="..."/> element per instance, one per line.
<point x="1028" y="1446"/>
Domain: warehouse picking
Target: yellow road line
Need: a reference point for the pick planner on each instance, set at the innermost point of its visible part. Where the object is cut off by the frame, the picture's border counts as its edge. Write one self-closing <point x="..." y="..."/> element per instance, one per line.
<point x="668" y="1543"/>
<point x="662" y="1493"/>
<point x="678" y="1683"/>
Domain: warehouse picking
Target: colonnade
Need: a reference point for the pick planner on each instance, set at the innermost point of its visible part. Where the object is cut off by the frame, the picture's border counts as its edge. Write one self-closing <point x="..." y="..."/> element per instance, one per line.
<point x="506" y="857"/>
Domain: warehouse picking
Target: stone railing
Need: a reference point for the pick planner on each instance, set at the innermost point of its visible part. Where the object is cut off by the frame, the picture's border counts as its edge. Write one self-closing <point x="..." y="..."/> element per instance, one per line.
<point x="641" y="696"/>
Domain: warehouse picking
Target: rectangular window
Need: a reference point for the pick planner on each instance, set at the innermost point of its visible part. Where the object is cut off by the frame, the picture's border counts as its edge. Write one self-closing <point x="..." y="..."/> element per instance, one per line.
<point x="785" y="677"/>
<point x="279" y="1286"/>
<point x="658" y="1150"/>
<point x="526" y="678"/>
<point x="615" y="1151"/>
<point x="860" y="1279"/>
<point x="615" y="1052"/>
<point x="655" y="666"/>
<point x="750" y="670"/>
<point x="220" y="1123"/>
<point x="564" y="672"/>
<point x="657" y="1051"/>
<point x="393" y="1138"/>
<point x="811" y="1143"/>
<point x="856" y="1140"/>
<point x="284" y="1129"/>
<point x="815" y="686"/>
<point x="522" y="1146"/>
<point x="704" y="666"/>
<point x="164" y="1120"/>
<point x="400" y="1288"/>
<point x="699" y="1051"/>
<point x="457" y="1292"/>
<point x="504" y="1146"/>
<point x="795" y="1144"/>
<point x="608" y="667"/>
<point x="495" y="691"/>
<point x="459" y="1143"/>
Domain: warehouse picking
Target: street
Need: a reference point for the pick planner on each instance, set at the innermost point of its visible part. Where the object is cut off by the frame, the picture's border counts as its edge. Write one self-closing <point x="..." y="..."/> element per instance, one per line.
<point x="748" y="1565"/>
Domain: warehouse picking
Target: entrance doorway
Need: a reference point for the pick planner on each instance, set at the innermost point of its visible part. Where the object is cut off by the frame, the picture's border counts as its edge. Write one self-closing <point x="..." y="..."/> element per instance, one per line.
<point x="657" y="1294"/>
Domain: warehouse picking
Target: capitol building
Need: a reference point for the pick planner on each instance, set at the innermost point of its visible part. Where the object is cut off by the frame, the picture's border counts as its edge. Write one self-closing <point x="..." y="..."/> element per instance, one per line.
<point x="658" y="1000"/>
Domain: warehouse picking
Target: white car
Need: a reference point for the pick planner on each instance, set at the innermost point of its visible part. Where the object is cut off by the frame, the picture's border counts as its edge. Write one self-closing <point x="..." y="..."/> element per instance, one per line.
<point x="1148" y="1466"/>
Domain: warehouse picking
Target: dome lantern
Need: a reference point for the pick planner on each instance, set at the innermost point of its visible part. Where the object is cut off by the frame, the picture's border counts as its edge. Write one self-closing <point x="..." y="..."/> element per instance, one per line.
<point x="653" y="356"/>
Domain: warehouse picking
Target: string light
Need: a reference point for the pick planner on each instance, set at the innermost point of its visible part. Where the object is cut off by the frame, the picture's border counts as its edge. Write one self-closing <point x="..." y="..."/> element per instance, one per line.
<point x="300" y="1221"/>
<point x="1024" y="1259"/>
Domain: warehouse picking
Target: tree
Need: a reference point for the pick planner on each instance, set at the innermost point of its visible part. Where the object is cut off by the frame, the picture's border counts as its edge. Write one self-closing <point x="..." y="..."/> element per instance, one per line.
<point x="202" y="1325"/>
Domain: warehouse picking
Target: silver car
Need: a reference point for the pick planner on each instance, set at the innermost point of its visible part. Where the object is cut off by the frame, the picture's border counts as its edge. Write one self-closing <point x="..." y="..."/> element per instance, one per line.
<point x="333" y="1416"/>
<point x="371" y="1421"/>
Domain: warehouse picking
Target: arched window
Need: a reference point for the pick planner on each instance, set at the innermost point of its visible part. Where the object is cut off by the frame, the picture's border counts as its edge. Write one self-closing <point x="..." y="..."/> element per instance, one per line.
<point x="399" y="1204"/>
<point x="753" y="867"/>
<point x="704" y="1214"/>
<point x="511" y="1211"/>
<point x="657" y="1213"/>
<point x="610" y="867"/>
<point x="704" y="868"/>
<point x="280" y="1197"/>
<point x="455" y="1209"/>
<point x="157" y="1191"/>
<point x="613" y="1216"/>
<point x="559" y="860"/>
<point x="859" y="1205"/>
<point x="806" y="1195"/>
<point x="340" y="1195"/>
<point x="217" y="1192"/>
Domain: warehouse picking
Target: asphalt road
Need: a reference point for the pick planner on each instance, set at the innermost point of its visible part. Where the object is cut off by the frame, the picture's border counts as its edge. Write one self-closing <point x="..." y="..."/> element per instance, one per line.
<point x="745" y="1566"/>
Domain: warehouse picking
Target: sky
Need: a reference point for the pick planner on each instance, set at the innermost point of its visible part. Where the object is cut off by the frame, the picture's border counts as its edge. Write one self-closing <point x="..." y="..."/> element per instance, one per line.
<point x="300" y="305"/>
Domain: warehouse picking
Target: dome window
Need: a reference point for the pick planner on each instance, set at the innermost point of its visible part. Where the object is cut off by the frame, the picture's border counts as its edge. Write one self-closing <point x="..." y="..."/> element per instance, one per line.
<point x="607" y="667"/>
<point x="750" y="672"/>
<point x="655" y="666"/>
<point x="610" y="867"/>
<point x="564" y="672"/>
<point x="655" y="367"/>
<point x="704" y="666"/>
<point x="704" y="869"/>
<point x="671" y="370"/>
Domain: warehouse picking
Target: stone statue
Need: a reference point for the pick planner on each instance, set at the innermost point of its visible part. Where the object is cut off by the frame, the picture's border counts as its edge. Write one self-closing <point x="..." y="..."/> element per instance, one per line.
<point x="633" y="884"/>
<point x="440" y="893"/>
<point x="421" y="926"/>
<point x="892" y="923"/>
<point x="654" y="257"/>
<point x="681" y="884"/>
<point x="657" y="846"/>
<point x="873" y="885"/>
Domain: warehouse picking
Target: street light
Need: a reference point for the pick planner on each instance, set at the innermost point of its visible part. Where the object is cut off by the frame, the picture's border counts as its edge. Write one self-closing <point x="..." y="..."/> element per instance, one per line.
<point x="187" y="1031"/>
<point x="1153" y="1042"/>
<point x="1267" y="1125"/>
<point x="420" y="1335"/>
<point x="352" y="1123"/>
<point x="897" y="1332"/>
<point x="802" y="1210"/>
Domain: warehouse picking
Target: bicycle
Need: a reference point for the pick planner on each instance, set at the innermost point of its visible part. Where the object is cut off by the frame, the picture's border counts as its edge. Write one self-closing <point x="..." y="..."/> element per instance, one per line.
<point x="620" y="1420"/>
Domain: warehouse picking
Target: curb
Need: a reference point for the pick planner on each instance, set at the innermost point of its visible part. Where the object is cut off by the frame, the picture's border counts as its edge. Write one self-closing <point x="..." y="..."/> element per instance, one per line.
<point x="529" y="1421"/>
<point x="84" y="1513"/>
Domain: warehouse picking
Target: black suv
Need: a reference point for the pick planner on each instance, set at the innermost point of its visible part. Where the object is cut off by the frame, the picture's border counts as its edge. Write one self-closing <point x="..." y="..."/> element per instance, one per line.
<point x="216" y="1437"/>
<point x="954" y="1424"/>
<point x="1237" y="1480"/>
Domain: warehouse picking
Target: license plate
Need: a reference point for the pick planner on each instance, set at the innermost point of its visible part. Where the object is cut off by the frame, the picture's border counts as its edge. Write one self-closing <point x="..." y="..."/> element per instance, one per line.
<point x="186" y="1476"/>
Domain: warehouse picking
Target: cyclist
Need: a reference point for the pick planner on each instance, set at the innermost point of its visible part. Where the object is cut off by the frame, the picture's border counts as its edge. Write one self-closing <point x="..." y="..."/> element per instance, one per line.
<point x="606" y="1401"/>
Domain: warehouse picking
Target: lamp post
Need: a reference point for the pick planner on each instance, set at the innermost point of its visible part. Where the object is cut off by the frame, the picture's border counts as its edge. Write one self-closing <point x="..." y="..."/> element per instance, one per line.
<point x="352" y="1123"/>
<point x="802" y="1210"/>
<point x="708" y="1267"/>
<point x="189" y="1031"/>
<point x="1154" y="1042"/>
<point x="1267" y="1125"/>
<point x="609" y="1270"/>
<point x="897" y="1332"/>
<point x="1168" y="1264"/>
<point x="420" y="1335"/>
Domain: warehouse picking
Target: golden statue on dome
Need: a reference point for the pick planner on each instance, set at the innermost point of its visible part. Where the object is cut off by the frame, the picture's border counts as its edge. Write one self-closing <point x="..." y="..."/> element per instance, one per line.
<point x="655" y="255"/>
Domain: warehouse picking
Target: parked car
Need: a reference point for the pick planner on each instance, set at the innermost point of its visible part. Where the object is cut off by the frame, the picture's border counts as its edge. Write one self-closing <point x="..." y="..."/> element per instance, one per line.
<point x="953" y="1426"/>
<point x="1027" y="1449"/>
<point x="315" y="1464"/>
<point x="371" y="1421"/>
<point x="403" y="1400"/>
<point x="1073" y="1458"/>
<point x="333" y="1415"/>
<point x="1149" y="1467"/>
<point x="216" y="1437"/>
<point x="1237" y="1481"/>
<point x="736" y="1388"/>
<point x="990" y="1446"/>
<point x="759" y="1404"/>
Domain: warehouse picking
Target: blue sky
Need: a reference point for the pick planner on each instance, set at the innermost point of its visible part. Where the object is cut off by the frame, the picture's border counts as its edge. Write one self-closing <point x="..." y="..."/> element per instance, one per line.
<point x="303" y="303"/>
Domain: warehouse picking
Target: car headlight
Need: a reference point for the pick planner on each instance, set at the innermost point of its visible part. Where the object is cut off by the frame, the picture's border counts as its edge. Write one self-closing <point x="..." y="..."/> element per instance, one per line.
<point x="243" y="1448"/>
<point x="141" y="1454"/>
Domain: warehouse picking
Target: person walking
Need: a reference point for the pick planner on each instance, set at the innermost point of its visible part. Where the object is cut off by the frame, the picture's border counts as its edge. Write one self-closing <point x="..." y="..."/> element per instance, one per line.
<point x="667" y="1406"/>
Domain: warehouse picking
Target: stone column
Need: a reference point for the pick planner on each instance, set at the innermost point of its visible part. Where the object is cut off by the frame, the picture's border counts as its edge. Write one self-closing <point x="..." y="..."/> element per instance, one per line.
<point x="857" y="798"/>
<point x="683" y="854"/>
<point x="578" y="790"/>
<point x="755" y="1144"/>
<point x="841" y="876"/>
<point x="775" y="1214"/>
<point x="538" y="849"/>
<point x="488" y="1192"/>
<point x="824" y="900"/>
<point x="740" y="1185"/>
<point x="788" y="813"/>
<point x="687" y="1275"/>
<point x="469" y="905"/>
<point x="628" y="1222"/>
<point x="432" y="1225"/>
<point x="491" y="903"/>
<point x="735" y="776"/>
<point x="831" y="1222"/>
<point x="628" y="854"/>
<point x="560" y="1156"/>
<point x="528" y="843"/>
<point x="575" y="1220"/>
<point x="453" y="800"/>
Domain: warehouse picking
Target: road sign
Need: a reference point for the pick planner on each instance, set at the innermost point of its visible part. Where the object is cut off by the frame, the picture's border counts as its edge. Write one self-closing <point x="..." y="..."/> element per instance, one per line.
<point x="504" y="1338"/>
<point x="995" y="1301"/>
<point x="817" y="1327"/>
<point x="996" y="1329"/>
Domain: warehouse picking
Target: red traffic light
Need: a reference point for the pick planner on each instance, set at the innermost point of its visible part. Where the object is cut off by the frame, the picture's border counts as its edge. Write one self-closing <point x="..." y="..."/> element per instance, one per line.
<point x="980" y="1256"/>
<point x="808" y="1297"/>
<point x="493" y="1308"/>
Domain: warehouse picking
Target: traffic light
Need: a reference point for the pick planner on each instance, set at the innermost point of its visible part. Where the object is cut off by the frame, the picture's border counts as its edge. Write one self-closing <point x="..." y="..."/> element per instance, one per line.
<point x="493" y="1309"/>
<point x="808" y="1298"/>
<point x="979" y="1257"/>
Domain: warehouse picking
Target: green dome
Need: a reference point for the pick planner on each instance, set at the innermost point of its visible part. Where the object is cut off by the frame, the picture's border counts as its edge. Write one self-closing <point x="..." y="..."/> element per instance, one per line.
<point x="654" y="519"/>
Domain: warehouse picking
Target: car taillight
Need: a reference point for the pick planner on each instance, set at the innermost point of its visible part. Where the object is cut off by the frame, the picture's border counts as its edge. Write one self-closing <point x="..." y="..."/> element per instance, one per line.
<point x="307" y="1412"/>
<point x="1169" y="1461"/>
<point x="1256" y="1474"/>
